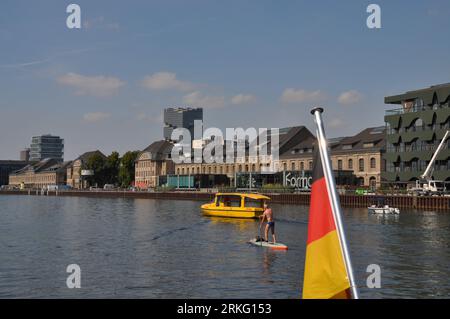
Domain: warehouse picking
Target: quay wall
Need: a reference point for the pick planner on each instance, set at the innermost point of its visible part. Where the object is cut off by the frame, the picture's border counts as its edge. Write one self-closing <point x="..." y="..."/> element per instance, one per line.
<point x="400" y="201"/>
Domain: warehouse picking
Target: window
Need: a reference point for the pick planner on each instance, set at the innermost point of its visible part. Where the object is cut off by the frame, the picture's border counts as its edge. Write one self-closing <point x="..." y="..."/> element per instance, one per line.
<point x="339" y="165"/>
<point x="249" y="202"/>
<point x="302" y="164"/>
<point x="229" y="201"/>
<point x="373" y="163"/>
<point x="367" y="145"/>
<point x="310" y="165"/>
<point x="373" y="182"/>
<point x="347" y="147"/>
<point x="293" y="166"/>
<point x="361" y="165"/>
<point x="350" y="164"/>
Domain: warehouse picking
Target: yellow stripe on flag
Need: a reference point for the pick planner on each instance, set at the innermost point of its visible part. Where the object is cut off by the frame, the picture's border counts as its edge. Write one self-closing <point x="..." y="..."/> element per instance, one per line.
<point x="325" y="274"/>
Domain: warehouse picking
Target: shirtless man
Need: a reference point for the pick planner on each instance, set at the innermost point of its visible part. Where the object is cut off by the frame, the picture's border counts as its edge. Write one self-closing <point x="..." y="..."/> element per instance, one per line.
<point x="268" y="215"/>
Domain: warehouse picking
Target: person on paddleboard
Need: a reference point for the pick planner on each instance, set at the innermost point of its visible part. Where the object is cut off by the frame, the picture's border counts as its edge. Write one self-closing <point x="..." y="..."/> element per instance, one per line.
<point x="270" y="225"/>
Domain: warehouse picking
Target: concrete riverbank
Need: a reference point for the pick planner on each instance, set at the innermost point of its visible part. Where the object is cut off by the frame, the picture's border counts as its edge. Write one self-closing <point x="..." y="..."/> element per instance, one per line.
<point x="401" y="201"/>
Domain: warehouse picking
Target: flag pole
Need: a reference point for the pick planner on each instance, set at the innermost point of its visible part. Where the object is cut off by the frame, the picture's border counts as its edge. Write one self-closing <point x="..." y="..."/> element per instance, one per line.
<point x="334" y="198"/>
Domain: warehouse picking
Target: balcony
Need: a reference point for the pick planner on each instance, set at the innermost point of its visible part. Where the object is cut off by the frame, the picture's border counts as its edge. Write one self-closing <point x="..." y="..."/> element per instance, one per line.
<point x="394" y="111"/>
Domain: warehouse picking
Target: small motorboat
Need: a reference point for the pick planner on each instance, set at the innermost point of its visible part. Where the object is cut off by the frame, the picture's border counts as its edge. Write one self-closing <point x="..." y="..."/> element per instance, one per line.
<point x="386" y="209"/>
<point x="380" y="206"/>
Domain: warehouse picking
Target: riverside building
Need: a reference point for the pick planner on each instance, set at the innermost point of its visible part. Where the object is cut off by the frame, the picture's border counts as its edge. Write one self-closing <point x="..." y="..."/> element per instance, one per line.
<point x="287" y="138"/>
<point x="356" y="160"/>
<point x="414" y="129"/>
<point x="48" y="172"/>
<point x="154" y="161"/>
<point x="76" y="175"/>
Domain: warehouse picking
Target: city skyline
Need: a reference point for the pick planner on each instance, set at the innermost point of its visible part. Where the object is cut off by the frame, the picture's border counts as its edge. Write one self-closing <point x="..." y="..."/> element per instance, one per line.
<point x="105" y="86"/>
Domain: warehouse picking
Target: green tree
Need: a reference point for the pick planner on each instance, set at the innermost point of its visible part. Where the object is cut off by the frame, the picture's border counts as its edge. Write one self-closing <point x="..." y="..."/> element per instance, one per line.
<point x="97" y="163"/>
<point x="112" y="168"/>
<point x="126" y="169"/>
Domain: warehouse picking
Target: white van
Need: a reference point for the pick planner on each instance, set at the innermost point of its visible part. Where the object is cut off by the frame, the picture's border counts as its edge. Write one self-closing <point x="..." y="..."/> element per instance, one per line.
<point x="108" y="187"/>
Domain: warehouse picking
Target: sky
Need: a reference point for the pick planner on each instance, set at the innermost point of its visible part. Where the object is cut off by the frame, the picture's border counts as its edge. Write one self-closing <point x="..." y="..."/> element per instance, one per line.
<point x="248" y="63"/>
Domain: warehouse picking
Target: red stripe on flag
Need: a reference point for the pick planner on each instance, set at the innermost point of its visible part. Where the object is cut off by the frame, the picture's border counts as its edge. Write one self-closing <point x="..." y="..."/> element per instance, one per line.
<point x="321" y="220"/>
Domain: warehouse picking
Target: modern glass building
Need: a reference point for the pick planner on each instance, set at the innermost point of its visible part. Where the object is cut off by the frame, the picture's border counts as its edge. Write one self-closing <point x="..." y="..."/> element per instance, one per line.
<point x="414" y="131"/>
<point x="46" y="146"/>
<point x="180" y="118"/>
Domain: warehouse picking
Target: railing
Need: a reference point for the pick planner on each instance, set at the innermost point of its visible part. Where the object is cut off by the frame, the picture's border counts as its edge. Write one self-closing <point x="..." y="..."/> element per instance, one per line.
<point x="408" y="110"/>
<point x="394" y="111"/>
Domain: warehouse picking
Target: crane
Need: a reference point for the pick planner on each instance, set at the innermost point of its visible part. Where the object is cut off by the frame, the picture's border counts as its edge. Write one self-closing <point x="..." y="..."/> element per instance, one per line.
<point x="426" y="185"/>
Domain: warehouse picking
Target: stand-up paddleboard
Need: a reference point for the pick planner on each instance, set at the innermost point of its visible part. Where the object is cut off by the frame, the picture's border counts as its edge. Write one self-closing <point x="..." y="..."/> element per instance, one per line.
<point x="263" y="243"/>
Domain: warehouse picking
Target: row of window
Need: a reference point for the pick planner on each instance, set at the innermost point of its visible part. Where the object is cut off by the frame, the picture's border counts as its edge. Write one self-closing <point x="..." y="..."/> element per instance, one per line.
<point x="416" y="165"/>
<point x="36" y="178"/>
<point x="416" y="145"/>
<point x="217" y="170"/>
<point x="252" y="168"/>
<point x="144" y="164"/>
<point x="361" y="164"/>
<point x="418" y="125"/>
<point x="145" y="173"/>
<point x="419" y="105"/>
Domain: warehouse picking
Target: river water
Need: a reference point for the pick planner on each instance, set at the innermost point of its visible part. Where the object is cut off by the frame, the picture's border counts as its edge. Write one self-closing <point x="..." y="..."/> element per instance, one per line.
<point x="142" y="248"/>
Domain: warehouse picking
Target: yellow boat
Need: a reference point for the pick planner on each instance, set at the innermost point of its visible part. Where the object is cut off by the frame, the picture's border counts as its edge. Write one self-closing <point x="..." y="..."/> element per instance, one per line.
<point x="238" y="205"/>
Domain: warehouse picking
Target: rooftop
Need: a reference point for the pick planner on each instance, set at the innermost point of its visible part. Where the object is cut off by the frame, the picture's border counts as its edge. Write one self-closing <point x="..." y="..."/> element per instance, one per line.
<point x="439" y="93"/>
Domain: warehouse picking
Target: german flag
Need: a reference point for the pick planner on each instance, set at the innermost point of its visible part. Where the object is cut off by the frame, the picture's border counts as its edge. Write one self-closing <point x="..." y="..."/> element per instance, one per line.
<point x="325" y="272"/>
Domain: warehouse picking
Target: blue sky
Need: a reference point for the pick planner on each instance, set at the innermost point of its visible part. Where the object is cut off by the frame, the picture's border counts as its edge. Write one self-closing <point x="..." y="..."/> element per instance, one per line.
<point x="248" y="63"/>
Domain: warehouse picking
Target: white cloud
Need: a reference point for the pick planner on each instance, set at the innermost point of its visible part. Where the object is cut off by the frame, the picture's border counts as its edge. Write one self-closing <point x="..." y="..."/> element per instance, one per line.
<point x="291" y="95"/>
<point x="91" y="85"/>
<point x="336" y="123"/>
<point x="95" y="116"/>
<point x="166" y="81"/>
<point x="153" y="118"/>
<point x="243" y="99"/>
<point x="350" y="97"/>
<point x="197" y="99"/>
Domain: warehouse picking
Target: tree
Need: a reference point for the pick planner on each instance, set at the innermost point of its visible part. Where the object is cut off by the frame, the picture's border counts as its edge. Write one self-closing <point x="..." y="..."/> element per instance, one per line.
<point x="112" y="168"/>
<point x="126" y="170"/>
<point x="97" y="163"/>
